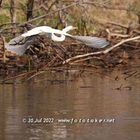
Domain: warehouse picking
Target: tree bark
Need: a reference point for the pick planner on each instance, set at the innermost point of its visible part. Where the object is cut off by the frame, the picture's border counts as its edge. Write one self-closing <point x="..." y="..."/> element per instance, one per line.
<point x="30" y="5"/>
<point x="138" y="18"/>
<point x="13" y="11"/>
<point x="0" y="3"/>
<point x="13" y="15"/>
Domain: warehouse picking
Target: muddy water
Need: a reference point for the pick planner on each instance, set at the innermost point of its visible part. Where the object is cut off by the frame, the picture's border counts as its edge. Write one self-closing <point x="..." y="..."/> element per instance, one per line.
<point x="90" y="106"/>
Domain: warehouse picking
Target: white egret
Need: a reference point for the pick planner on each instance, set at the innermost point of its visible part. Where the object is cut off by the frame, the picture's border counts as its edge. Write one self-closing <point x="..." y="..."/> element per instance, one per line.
<point x="42" y="30"/>
<point x="21" y="43"/>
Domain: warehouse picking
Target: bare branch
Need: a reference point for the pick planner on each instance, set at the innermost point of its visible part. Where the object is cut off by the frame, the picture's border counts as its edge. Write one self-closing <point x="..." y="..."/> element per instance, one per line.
<point x="43" y="16"/>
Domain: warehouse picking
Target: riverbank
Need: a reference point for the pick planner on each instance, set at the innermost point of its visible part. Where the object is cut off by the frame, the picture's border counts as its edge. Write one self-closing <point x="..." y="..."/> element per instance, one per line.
<point x="123" y="51"/>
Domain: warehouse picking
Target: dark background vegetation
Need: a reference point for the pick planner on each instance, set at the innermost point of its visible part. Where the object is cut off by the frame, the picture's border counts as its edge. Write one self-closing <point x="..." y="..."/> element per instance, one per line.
<point x="88" y="15"/>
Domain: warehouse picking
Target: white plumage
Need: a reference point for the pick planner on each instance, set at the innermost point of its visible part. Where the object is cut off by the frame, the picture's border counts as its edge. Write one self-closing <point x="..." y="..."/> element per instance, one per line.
<point x="50" y="31"/>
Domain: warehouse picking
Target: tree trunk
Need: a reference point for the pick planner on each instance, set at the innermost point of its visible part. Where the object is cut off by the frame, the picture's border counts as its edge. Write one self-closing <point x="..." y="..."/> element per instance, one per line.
<point x="30" y="5"/>
<point x="0" y="3"/>
<point x="13" y="11"/>
<point x="13" y="15"/>
<point x="138" y="18"/>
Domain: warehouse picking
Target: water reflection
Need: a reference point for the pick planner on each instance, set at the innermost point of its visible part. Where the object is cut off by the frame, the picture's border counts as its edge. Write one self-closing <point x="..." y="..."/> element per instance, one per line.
<point x="88" y="97"/>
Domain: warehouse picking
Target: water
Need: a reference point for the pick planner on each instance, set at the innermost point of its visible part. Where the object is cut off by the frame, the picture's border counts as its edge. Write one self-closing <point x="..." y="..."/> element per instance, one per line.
<point x="35" y="110"/>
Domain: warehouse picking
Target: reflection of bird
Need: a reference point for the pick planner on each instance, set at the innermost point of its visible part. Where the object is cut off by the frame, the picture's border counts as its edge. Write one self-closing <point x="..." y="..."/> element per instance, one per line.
<point x="21" y="43"/>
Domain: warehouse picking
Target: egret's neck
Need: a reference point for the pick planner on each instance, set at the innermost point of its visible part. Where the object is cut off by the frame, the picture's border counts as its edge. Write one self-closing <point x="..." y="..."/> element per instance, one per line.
<point x="58" y="39"/>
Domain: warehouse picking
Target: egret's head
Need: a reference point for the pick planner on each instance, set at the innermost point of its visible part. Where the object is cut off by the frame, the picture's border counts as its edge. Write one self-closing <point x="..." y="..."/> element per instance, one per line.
<point x="68" y="28"/>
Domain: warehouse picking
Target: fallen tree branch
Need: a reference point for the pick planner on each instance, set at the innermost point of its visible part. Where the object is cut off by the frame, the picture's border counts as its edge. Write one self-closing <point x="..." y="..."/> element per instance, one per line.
<point x="120" y="43"/>
<point x="101" y="52"/>
<point x="116" y="34"/>
<point x="118" y="24"/>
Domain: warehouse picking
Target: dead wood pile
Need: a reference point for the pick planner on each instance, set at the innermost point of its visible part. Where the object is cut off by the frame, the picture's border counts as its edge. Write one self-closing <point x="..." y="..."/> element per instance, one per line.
<point x="124" y="50"/>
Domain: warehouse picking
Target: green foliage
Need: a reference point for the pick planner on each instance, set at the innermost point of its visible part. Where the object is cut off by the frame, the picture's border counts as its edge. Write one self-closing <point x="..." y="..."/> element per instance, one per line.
<point x="4" y="18"/>
<point x="6" y="6"/>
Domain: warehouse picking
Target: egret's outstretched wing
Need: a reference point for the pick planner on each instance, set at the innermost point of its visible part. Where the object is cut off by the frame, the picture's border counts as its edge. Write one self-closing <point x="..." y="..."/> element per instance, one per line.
<point x="94" y="42"/>
<point x="38" y="30"/>
<point x="48" y="30"/>
<point x="19" y="45"/>
<point x="59" y="38"/>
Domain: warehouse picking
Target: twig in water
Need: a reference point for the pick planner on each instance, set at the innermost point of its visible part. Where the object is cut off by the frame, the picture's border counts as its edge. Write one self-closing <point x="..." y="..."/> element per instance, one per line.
<point x="130" y="75"/>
